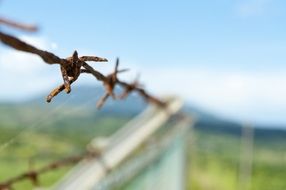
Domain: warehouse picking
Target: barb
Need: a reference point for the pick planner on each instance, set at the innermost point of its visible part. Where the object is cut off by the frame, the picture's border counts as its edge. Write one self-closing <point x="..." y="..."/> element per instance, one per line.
<point x="33" y="175"/>
<point x="111" y="80"/>
<point x="71" y="68"/>
<point x="132" y="86"/>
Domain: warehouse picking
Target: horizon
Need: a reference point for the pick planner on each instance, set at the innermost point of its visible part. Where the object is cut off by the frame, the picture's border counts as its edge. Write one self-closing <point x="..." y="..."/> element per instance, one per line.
<point x="188" y="104"/>
<point x="224" y="57"/>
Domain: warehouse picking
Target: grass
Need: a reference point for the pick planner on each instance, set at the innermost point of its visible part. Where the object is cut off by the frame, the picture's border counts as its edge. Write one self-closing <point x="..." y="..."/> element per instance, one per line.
<point x="42" y="145"/>
<point x="214" y="157"/>
<point x="215" y="160"/>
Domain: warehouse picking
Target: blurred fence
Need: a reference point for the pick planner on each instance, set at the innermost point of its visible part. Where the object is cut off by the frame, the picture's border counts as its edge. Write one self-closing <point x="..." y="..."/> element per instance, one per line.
<point x="124" y="155"/>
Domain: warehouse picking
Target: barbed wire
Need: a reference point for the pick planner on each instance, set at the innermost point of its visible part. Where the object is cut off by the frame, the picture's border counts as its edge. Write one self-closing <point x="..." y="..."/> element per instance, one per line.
<point x="71" y="68"/>
<point x="33" y="174"/>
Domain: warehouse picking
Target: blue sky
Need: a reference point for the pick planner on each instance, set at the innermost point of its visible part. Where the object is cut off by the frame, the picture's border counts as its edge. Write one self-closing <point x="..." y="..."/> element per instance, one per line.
<point x="226" y="56"/>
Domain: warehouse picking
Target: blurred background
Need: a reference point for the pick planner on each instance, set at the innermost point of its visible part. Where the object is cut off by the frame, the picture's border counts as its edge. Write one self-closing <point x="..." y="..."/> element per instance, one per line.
<point x="224" y="58"/>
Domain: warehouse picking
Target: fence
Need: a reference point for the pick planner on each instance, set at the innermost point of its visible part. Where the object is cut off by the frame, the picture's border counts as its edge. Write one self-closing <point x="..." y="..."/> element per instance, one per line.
<point x="96" y="164"/>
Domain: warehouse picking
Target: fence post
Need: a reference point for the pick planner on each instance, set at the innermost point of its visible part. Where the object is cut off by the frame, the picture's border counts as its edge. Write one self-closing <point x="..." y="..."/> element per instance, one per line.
<point x="246" y="157"/>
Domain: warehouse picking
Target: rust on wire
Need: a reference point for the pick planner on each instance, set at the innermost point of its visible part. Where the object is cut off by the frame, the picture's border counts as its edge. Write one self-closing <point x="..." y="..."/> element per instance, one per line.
<point x="33" y="175"/>
<point x="71" y="68"/>
<point x="130" y="88"/>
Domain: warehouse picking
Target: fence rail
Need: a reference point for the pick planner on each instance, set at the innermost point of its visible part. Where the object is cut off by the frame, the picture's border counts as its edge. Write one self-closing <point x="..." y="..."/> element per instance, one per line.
<point x="89" y="173"/>
<point x="121" y="144"/>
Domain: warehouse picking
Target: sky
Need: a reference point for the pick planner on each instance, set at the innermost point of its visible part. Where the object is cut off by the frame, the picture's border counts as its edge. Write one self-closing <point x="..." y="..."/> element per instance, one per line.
<point x="224" y="56"/>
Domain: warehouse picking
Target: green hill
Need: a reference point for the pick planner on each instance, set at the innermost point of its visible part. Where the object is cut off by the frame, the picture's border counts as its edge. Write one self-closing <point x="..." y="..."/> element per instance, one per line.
<point x="33" y="133"/>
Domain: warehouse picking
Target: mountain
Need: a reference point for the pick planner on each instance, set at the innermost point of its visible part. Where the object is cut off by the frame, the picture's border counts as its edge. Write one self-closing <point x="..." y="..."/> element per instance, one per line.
<point x="88" y="96"/>
<point x="208" y="123"/>
<point x="83" y="100"/>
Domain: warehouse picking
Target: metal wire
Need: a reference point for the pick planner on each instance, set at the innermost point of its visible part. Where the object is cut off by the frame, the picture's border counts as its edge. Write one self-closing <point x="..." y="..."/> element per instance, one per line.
<point x="71" y="68"/>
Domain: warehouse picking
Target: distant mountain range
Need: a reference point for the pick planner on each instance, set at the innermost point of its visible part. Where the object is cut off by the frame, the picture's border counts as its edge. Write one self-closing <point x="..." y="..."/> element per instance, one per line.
<point x="87" y="96"/>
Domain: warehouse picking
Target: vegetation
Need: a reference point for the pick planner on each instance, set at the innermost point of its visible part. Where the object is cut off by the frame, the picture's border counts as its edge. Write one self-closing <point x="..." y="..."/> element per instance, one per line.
<point x="215" y="162"/>
<point x="31" y="141"/>
<point x="31" y="136"/>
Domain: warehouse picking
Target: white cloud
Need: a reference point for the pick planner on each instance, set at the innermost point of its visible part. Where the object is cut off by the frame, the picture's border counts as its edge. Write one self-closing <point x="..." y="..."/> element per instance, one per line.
<point x="249" y="96"/>
<point x="22" y="74"/>
<point x="40" y="42"/>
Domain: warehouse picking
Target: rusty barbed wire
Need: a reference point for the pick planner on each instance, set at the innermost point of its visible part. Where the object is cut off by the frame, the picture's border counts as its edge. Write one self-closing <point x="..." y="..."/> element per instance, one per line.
<point x="111" y="81"/>
<point x="71" y="68"/>
<point x="33" y="174"/>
